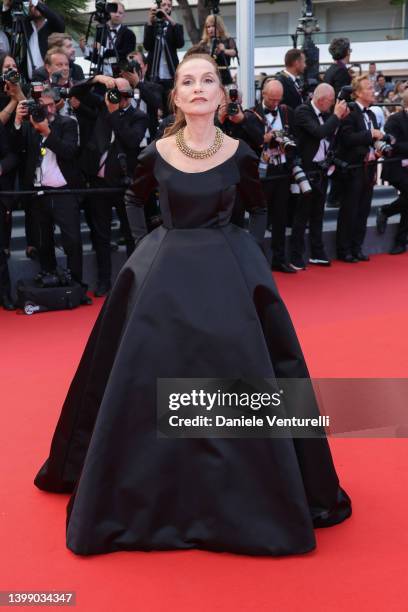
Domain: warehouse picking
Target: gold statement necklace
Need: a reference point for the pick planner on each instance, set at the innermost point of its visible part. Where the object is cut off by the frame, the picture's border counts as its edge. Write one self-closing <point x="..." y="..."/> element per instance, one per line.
<point x="204" y="153"/>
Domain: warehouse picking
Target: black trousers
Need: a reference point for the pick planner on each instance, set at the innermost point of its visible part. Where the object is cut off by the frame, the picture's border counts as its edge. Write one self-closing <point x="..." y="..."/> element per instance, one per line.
<point x="4" y="272"/>
<point x="61" y="210"/>
<point x="354" y="210"/>
<point x="277" y="194"/>
<point x="399" y="206"/>
<point x="309" y="211"/>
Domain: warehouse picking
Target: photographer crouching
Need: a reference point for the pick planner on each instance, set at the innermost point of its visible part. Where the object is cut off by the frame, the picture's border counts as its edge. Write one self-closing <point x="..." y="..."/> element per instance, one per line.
<point x="108" y="160"/>
<point x="315" y="129"/>
<point x="50" y="143"/>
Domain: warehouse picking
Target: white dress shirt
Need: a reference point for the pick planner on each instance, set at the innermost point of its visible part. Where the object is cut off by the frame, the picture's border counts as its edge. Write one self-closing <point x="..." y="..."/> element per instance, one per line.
<point x="324" y="143"/>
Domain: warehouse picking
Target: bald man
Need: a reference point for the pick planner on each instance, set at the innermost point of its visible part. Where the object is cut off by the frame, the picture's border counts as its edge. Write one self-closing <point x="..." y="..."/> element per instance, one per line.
<point x="262" y="123"/>
<point x="315" y="128"/>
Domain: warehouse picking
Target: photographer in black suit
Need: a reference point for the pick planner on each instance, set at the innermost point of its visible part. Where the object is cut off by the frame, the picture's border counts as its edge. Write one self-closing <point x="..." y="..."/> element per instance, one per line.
<point x="265" y="126"/>
<point x="290" y="77"/>
<point x="396" y="173"/>
<point x="315" y="129"/>
<point x="338" y="75"/>
<point x="8" y="162"/>
<point x="50" y="143"/>
<point x="39" y="24"/>
<point x="117" y="39"/>
<point x="108" y="160"/>
<point x="162" y="37"/>
<point x="356" y="140"/>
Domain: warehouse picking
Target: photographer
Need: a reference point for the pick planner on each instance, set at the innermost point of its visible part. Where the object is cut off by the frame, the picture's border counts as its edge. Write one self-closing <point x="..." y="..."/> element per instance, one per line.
<point x="116" y="39"/>
<point x="162" y="37"/>
<point x="63" y="43"/>
<point x="220" y="45"/>
<point x="39" y="24"/>
<point x="108" y="160"/>
<point x="50" y="144"/>
<point x="290" y="77"/>
<point x="315" y="130"/>
<point x="357" y="138"/>
<point x="10" y="88"/>
<point x="268" y="127"/>
<point x="338" y="74"/>
<point x="396" y="173"/>
<point x="8" y="163"/>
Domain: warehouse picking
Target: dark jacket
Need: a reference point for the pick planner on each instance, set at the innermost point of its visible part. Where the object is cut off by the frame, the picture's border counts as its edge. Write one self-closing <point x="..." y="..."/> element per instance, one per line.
<point x="309" y="132"/>
<point x="129" y="128"/>
<point x="354" y="139"/>
<point x="174" y="38"/>
<point x="63" y="141"/>
<point x="397" y="125"/>
<point x="54" y="23"/>
<point x="337" y="76"/>
<point x="152" y="95"/>
<point x="125" y="43"/>
<point x="291" y="96"/>
<point x="8" y="162"/>
<point x="254" y="125"/>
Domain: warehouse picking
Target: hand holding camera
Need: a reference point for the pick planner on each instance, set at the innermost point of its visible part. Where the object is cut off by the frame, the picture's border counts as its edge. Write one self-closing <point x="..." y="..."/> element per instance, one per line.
<point x="341" y="109"/>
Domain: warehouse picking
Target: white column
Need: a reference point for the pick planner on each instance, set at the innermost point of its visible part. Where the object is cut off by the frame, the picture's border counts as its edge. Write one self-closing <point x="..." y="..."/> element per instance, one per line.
<point x="246" y="44"/>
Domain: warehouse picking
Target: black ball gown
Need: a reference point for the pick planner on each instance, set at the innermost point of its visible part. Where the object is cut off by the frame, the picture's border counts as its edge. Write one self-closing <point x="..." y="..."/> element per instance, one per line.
<point x="195" y="300"/>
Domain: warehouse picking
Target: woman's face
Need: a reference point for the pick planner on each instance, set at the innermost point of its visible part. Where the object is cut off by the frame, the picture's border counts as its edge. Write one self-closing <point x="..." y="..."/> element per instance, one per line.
<point x="198" y="90"/>
<point x="9" y="63"/>
<point x="210" y="27"/>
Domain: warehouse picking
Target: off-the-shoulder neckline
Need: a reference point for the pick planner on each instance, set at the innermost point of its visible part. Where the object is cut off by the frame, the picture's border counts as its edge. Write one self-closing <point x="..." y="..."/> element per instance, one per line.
<point x="202" y="171"/>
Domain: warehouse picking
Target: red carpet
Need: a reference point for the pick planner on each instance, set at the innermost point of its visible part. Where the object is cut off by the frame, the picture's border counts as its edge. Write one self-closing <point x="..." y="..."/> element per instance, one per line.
<point x="352" y="321"/>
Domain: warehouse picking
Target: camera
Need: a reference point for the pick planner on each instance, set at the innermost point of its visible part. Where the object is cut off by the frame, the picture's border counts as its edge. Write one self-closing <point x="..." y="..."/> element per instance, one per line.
<point x="334" y="162"/>
<point x="103" y="10"/>
<point x="36" y="110"/>
<point x="233" y="106"/>
<point x="20" y="8"/>
<point x="301" y="184"/>
<point x="10" y="76"/>
<point x="385" y="146"/>
<point x="160" y="14"/>
<point x="114" y="95"/>
<point x="126" y="66"/>
<point x="282" y="139"/>
<point x="345" y="94"/>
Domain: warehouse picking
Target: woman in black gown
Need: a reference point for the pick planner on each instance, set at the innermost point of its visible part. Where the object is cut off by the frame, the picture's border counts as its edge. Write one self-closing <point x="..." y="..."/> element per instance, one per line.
<point x="195" y="300"/>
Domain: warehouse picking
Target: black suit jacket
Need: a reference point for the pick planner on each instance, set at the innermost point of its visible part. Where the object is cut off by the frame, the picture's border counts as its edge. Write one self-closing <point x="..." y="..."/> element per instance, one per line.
<point x="8" y="162"/>
<point x="337" y="76"/>
<point x="54" y="23"/>
<point x="129" y="128"/>
<point x="354" y="139"/>
<point x="397" y="125"/>
<point x="174" y="38"/>
<point x="254" y="127"/>
<point x="63" y="141"/>
<point x="291" y="96"/>
<point x="125" y="43"/>
<point x="309" y="132"/>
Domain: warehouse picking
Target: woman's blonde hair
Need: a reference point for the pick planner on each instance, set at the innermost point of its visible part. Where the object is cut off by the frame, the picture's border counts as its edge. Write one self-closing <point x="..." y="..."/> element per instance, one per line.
<point x="221" y="29"/>
<point x="180" y="119"/>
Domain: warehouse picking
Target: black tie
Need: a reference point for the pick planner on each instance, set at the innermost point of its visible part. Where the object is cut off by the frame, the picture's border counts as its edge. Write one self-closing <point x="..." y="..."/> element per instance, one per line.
<point x="297" y="83"/>
<point x="271" y="112"/>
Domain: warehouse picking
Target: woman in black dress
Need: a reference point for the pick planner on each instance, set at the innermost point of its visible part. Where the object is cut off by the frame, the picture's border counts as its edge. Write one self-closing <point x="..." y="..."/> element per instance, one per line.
<point x="195" y="300"/>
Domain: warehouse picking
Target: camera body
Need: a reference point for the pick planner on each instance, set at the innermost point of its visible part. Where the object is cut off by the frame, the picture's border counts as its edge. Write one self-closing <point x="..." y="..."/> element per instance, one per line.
<point x="282" y="139"/>
<point x="126" y="66"/>
<point x="36" y="110"/>
<point x="384" y="147"/>
<point x="103" y="10"/>
<point x="345" y="94"/>
<point x="10" y="76"/>
<point x="160" y="14"/>
<point x="233" y="105"/>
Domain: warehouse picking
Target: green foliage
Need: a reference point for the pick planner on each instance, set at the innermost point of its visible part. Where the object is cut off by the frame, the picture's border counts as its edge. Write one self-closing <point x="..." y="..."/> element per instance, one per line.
<point x="72" y="11"/>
